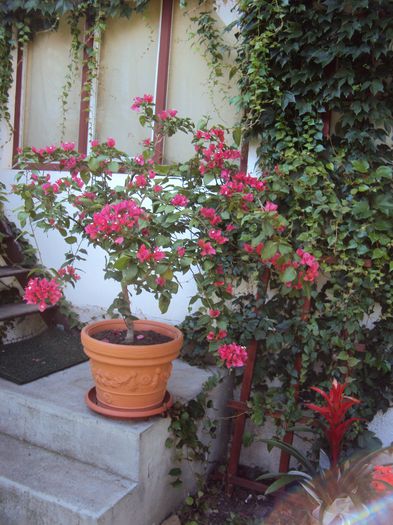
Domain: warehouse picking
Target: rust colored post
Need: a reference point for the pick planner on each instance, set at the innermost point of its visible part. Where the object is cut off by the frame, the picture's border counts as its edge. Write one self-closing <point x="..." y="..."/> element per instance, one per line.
<point x="18" y="103"/>
<point x="288" y="438"/>
<point x="240" y="419"/>
<point x="163" y="70"/>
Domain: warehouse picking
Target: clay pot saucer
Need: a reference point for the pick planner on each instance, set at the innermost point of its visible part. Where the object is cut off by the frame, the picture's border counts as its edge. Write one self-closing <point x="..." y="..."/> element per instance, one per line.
<point x="127" y="413"/>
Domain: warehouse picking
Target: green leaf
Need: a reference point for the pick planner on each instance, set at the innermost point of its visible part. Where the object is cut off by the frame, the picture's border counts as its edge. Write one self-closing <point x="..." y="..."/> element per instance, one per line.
<point x="283" y="481"/>
<point x="130" y="273"/>
<point x="269" y="250"/>
<point x="208" y="178"/>
<point x="93" y="163"/>
<point x="71" y="240"/>
<point x="237" y="135"/>
<point x="384" y="203"/>
<point x="288" y="275"/>
<point x="362" y="166"/>
<point x="121" y="263"/>
<point x="113" y="167"/>
<point x="163" y="303"/>
<point x="292" y="451"/>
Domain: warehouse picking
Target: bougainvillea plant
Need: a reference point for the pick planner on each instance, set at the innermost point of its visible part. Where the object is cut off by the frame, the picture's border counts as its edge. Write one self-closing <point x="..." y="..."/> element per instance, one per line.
<point x="203" y="215"/>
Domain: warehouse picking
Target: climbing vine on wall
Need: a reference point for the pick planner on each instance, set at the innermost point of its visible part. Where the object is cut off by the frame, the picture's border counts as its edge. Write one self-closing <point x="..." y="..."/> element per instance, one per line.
<point x="317" y="95"/>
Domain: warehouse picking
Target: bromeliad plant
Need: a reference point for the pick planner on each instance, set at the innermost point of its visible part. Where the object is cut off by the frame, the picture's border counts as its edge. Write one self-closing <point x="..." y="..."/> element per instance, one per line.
<point x="203" y="215"/>
<point x="337" y="489"/>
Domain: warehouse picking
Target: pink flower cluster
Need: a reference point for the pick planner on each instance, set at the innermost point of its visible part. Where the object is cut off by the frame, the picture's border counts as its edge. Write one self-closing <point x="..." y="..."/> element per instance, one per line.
<point x="217" y="152"/>
<point x="206" y="248"/>
<point x="217" y="236"/>
<point x="166" y="114"/>
<point x="211" y="215"/>
<point x="69" y="271"/>
<point x="139" y="101"/>
<point x="233" y="354"/>
<point x="144" y="254"/>
<point x="42" y="292"/>
<point x="180" y="200"/>
<point x="242" y="183"/>
<point x="211" y="336"/>
<point x="312" y="265"/>
<point x="114" y="218"/>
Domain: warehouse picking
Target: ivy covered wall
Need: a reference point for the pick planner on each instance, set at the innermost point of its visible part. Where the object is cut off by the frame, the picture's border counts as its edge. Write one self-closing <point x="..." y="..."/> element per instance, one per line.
<point x="317" y="94"/>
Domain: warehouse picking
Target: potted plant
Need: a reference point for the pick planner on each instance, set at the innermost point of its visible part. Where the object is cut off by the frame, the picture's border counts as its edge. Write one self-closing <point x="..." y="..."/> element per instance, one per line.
<point x="203" y="215"/>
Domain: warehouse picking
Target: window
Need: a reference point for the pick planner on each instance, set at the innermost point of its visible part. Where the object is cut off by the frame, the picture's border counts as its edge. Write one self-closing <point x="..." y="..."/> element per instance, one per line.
<point x="148" y="53"/>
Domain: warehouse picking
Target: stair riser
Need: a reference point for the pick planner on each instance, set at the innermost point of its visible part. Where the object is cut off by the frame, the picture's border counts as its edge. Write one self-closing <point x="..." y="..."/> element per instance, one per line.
<point x="21" y="507"/>
<point x="92" y="441"/>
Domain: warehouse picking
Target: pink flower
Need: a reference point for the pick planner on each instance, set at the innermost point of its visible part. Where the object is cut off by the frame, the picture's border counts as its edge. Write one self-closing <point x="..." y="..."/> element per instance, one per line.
<point x="138" y="101"/>
<point x="210" y="336"/>
<point x="214" y="313"/>
<point x="160" y="281"/>
<point x="68" y="146"/>
<point x="50" y="149"/>
<point x="249" y="197"/>
<point x="206" y="248"/>
<point x="147" y="143"/>
<point x="113" y="219"/>
<point x="140" y="181"/>
<point x="143" y="254"/>
<point x="270" y="206"/>
<point x="233" y="354"/>
<point x="157" y="188"/>
<point x="181" y="251"/>
<point x="248" y="248"/>
<point x="158" y="254"/>
<point x="217" y="236"/>
<point x="110" y="142"/>
<point x="179" y="200"/>
<point x="166" y="114"/>
<point x="42" y="292"/>
<point x="119" y="240"/>
<point x="95" y="143"/>
<point x="70" y="272"/>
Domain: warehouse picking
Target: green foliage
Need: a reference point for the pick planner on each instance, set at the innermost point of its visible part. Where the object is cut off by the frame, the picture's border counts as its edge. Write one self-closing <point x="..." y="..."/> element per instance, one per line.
<point x="188" y="433"/>
<point x="320" y="103"/>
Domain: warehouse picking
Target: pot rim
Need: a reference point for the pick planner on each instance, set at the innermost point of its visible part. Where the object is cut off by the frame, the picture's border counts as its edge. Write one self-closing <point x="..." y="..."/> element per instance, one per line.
<point x="157" y="326"/>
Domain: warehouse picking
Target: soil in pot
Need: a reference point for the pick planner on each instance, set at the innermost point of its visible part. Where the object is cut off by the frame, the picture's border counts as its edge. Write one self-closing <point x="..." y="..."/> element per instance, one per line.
<point x="142" y="337"/>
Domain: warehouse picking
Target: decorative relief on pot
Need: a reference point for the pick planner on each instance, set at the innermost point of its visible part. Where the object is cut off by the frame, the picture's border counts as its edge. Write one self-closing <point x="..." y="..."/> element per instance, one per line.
<point x="106" y="398"/>
<point x="133" y="381"/>
<point x="106" y="379"/>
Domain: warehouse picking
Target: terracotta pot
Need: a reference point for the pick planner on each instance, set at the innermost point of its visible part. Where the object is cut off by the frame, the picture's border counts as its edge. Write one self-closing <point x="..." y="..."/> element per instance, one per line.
<point x="128" y="376"/>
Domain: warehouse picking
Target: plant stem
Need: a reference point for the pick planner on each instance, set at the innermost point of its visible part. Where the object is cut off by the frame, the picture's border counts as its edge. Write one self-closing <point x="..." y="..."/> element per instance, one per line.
<point x="127" y="314"/>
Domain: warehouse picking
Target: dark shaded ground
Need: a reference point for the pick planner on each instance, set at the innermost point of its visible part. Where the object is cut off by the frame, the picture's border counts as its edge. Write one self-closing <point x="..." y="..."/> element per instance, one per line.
<point x="142" y="338"/>
<point x="212" y="506"/>
<point x="50" y="352"/>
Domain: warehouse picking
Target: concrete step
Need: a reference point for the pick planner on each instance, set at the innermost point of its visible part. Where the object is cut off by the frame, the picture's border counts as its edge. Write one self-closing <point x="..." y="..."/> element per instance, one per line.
<point x="44" y="488"/>
<point x="51" y="414"/>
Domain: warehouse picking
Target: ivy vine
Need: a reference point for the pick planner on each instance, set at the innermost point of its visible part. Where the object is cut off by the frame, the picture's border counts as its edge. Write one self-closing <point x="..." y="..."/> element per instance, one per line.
<point x="317" y="95"/>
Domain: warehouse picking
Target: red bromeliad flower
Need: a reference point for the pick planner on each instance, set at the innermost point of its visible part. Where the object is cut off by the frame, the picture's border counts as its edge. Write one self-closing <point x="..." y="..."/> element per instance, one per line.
<point x="337" y="405"/>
